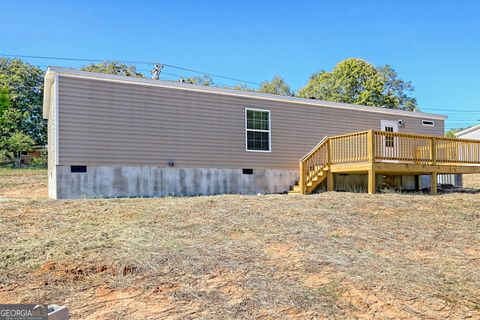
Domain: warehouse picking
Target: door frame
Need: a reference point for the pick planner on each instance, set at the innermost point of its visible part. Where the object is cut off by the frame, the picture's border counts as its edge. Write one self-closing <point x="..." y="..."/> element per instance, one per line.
<point x="393" y="149"/>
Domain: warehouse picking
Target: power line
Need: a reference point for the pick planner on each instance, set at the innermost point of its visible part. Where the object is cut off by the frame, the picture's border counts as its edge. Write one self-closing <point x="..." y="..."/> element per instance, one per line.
<point x="130" y="62"/>
<point x="182" y="76"/>
<point x="178" y="76"/>
<point x="452" y="110"/>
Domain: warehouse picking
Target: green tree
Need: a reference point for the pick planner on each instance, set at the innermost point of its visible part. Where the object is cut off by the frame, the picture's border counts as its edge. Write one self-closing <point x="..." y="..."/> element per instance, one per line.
<point x="17" y="143"/>
<point x="10" y="118"/>
<point x="201" y="81"/>
<point x="241" y="87"/>
<point x="113" y="67"/>
<point x="5" y="102"/>
<point x="451" y="133"/>
<point x="359" y="82"/>
<point x="396" y="92"/>
<point x="22" y="100"/>
<point x="276" y="86"/>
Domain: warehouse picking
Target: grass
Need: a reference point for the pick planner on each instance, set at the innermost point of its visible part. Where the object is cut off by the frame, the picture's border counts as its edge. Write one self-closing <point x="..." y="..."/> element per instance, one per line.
<point x="23" y="183"/>
<point x="471" y="181"/>
<point x="330" y="255"/>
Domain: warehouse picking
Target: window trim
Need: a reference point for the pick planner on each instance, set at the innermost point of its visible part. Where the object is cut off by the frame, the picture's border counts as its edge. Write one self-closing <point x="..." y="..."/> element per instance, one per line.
<point x="258" y="130"/>
<point x="428" y="124"/>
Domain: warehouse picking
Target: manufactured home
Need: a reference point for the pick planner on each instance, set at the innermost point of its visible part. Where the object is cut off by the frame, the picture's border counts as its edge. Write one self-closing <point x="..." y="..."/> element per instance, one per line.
<point x="115" y="136"/>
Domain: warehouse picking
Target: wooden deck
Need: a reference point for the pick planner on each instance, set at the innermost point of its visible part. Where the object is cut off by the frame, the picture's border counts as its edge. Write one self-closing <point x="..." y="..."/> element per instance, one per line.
<point x="372" y="152"/>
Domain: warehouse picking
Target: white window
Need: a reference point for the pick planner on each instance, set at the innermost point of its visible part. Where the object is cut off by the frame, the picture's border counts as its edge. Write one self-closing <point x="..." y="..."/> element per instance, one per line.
<point x="389" y="141"/>
<point x="389" y="126"/>
<point x="257" y="130"/>
<point x="428" y="123"/>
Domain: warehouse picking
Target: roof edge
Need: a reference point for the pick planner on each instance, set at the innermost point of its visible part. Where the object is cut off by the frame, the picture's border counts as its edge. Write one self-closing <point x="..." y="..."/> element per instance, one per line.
<point x="47" y="92"/>
<point x="233" y="92"/>
<point x="468" y="130"/>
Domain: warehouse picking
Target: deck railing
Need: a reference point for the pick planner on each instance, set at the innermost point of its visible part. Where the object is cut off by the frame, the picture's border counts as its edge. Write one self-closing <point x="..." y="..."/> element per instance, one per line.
<point x="349" y="148"/>
<point x="380" y="146"/>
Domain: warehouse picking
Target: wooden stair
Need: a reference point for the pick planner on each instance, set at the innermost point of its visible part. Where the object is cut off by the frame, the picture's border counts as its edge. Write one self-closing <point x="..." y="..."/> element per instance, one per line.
<point x="314" y="178"/>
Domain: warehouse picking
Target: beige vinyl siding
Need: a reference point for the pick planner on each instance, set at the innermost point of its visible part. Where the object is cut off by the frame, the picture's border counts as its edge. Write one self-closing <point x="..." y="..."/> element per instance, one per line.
<point x="106" y="122"/>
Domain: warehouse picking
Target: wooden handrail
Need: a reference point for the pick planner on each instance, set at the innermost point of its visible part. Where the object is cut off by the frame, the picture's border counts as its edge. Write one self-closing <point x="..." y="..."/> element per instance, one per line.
<point x="314" y="149"/>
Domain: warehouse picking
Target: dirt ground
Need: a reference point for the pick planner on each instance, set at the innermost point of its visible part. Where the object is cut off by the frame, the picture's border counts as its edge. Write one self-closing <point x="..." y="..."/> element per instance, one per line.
<point x="330" y="255"/>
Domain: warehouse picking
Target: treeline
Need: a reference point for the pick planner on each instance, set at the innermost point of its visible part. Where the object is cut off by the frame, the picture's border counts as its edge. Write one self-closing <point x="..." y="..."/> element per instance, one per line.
<point x="354" y="81"/>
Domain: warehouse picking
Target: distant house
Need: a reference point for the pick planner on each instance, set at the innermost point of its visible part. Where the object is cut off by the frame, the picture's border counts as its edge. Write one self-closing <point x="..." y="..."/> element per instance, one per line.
<point x="469" y="133"/>
<point x="115" y="136"/>
<point x="26" y="157"/>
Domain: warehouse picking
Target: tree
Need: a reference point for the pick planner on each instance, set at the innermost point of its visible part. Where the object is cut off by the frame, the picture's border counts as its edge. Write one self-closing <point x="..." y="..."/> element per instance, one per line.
<point x="113" y="67"/>
<point x="21" y="96"/>
<point x="276" y="86"/>
<point x="241" y="87"/>
<point x="359" y="82"/>
<point x="451" y="133"/>
<point x="5" y="102"/>
<point x="17" y="143"/>
<point x="201" y="81"/>
<point x="10" y="118"/>
<point x="396" y="92"/>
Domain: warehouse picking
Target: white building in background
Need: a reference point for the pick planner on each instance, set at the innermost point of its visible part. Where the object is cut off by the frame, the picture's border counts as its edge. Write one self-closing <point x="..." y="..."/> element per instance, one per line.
<point x="470" y="133"/>
<point x="456" y="179"/>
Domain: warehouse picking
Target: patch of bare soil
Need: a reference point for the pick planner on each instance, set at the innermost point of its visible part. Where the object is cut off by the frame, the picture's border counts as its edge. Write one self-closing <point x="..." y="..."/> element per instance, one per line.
<point x="326" y="256"/>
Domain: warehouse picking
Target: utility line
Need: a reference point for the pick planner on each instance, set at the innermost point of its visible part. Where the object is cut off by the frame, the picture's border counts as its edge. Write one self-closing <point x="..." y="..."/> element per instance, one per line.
<point x="182" y="76"/>
<point x="130" y="62"/>
<point x="452" y="110"/>
<point x="179" y="76"/>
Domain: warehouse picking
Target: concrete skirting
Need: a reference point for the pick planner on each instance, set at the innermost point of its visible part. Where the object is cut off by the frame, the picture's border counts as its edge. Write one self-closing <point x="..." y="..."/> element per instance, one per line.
<point x="152" y="181"/>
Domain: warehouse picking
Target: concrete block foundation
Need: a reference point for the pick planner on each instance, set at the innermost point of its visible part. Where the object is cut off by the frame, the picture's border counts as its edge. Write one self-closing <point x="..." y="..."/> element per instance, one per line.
<point x="151" y="181"/>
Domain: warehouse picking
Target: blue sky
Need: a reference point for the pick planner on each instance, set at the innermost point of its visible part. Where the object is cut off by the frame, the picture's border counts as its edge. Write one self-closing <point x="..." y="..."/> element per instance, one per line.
<point x="434" y="44"/>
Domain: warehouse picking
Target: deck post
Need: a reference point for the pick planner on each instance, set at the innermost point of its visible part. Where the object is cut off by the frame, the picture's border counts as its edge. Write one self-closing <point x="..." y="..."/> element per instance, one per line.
<point x="301" y="178"/>
<point x="371" y="182"/>
<point x="371" y="146"/>
<point x="433" y="150"/>
<point x="330" y="182"/>
<point x="329" y="153"/>
<point x="433" y="183"/>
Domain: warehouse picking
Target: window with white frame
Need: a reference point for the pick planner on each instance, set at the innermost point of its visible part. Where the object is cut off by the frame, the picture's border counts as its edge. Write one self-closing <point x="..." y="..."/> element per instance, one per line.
<point x="428" y="123"/>
<point x="258" y="131"/>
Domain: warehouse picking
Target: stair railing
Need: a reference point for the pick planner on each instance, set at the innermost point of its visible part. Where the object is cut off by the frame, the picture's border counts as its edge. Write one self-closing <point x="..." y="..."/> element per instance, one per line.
<point x="317" y="157"/>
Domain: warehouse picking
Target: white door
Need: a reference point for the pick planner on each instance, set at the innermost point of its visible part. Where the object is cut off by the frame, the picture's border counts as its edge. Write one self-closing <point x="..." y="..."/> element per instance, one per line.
<point x="390" y="144"/>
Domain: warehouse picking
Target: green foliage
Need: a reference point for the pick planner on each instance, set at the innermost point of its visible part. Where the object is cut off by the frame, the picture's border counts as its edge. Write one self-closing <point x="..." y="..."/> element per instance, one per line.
<point x="5" y="101"/>
<point x="15" y="144"/>
<point x="39" y="162"/>
<point x="21" y="100"/>
<point x="451" y="133"/>
<point x="396" y="92"/>
<point x="241" y="87"/>
<point x="201" y="81"/>
<point x="359" y="82"/>
<point x="113" y="67"/>
<point x="276" y="86"/>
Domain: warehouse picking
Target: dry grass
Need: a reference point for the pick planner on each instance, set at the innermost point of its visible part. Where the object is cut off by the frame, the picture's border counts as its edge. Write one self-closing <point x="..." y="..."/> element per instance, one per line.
<point x="471" y="181"/>
<point x="331" y="255"/>
<point x="23" y="183"/>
